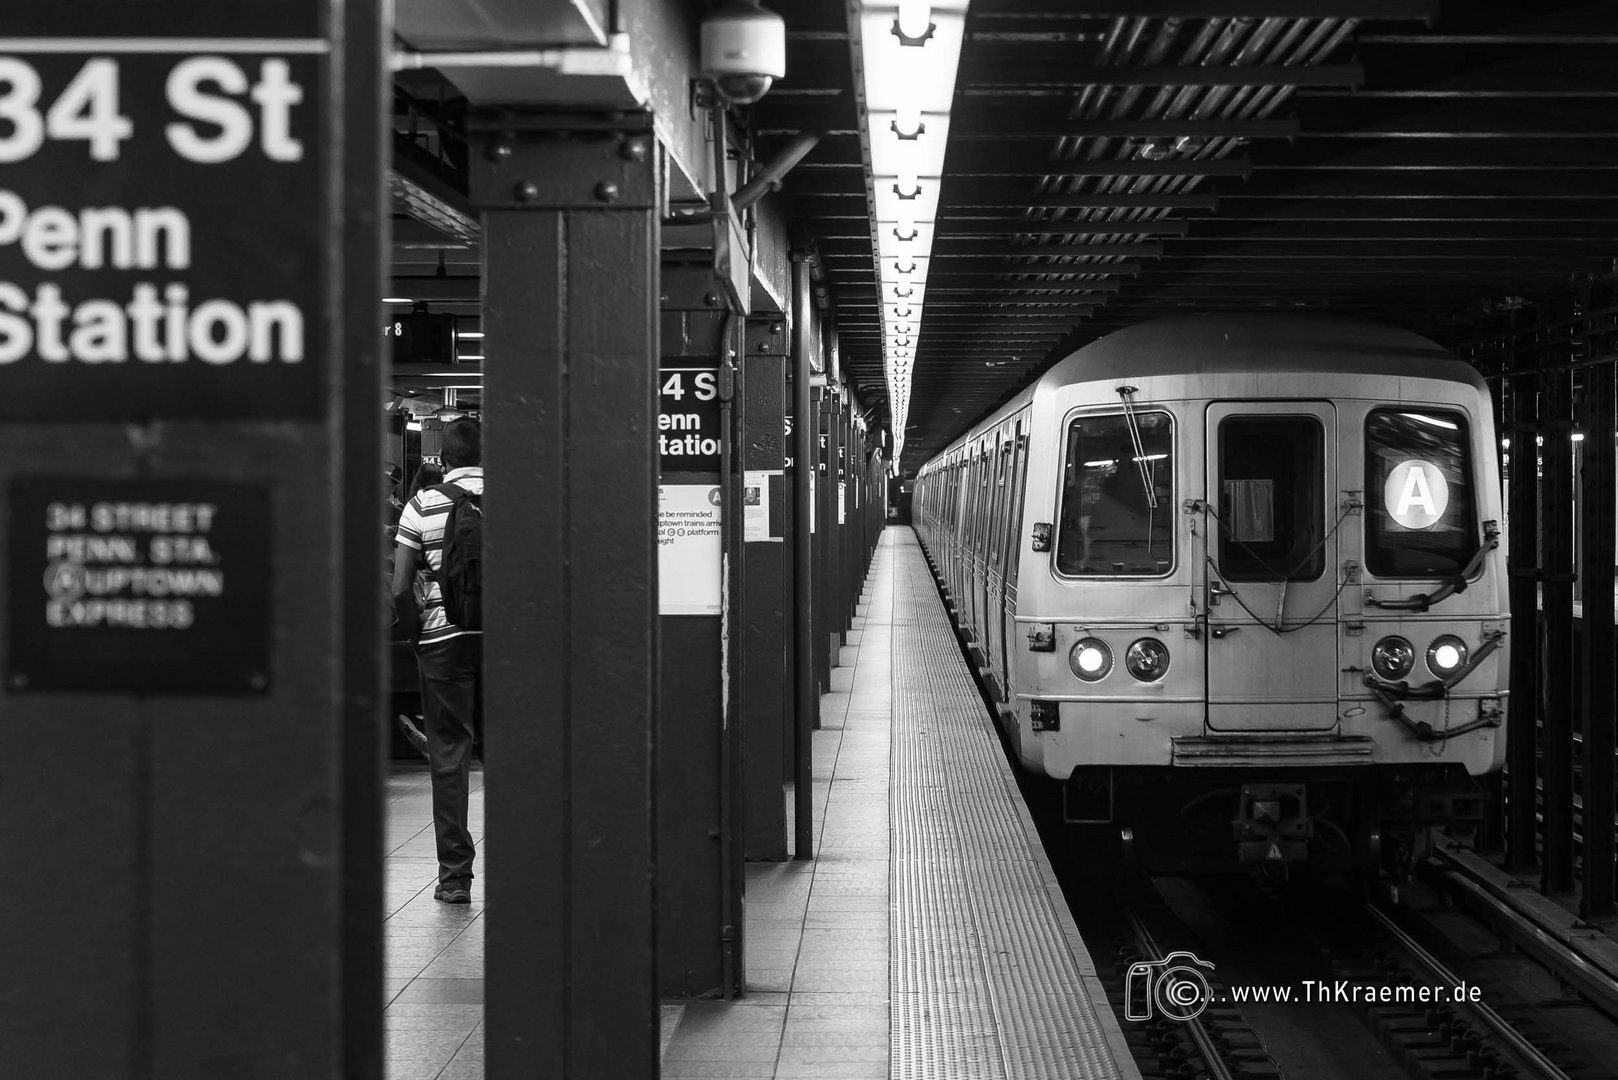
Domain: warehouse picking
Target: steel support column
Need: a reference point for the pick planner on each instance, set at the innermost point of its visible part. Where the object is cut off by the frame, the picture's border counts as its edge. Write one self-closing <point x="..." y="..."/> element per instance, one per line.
<point x="764" y="618"/>
<point x="1599" y="421"/>
<point x="699" y="891"/>
<point x="1556" y="678"/>
<point x="570" y="233"/>
<point x="191" y="800"/>
<point x="1522" y="750"/>
<point x="806" y="694"/>
<point x="825" y="521"/>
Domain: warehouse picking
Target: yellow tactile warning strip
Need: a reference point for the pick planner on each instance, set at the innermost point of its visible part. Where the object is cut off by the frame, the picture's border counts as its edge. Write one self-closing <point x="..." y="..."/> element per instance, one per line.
<point x="989" y="979"/>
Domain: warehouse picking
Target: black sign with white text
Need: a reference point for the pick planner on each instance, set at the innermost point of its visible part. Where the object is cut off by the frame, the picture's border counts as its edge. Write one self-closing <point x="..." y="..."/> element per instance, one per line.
<point x="688" y="419"/>
<point x="145" y="586"/>
<point x="163" y="215"/>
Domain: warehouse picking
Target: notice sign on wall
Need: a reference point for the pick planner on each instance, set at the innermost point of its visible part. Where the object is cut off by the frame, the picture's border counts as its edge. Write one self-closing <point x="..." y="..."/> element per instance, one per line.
<point x="155" y="586"/>
<point x="164" y="221"/>
<point x="688" y="552"/>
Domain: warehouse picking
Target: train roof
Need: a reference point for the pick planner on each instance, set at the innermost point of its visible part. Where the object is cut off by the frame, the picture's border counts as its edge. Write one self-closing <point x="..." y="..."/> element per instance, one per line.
<point x="1214" y="344"/>
<point x="1263" y="341"/>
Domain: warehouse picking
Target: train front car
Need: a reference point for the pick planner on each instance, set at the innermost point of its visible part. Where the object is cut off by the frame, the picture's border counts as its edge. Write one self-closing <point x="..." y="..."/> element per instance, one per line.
<point x="1261" y="590"/>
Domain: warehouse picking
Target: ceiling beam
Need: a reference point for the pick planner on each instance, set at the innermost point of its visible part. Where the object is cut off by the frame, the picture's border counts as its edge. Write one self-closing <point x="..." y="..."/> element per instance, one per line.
<point x="966" y="160"/>
<point x="1000" y="124"/>
<point x="977" y="76"/>
<point x="955" y="226"/>
<point x="949" y="247"/>
<point x="1405" y="10"/>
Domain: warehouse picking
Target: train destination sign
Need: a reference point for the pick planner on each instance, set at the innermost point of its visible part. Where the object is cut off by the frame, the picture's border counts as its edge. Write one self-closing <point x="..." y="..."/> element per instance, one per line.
<point x="164" y="220"/>
<point x="1416" y="494"/>
<point x="155" y="586"/>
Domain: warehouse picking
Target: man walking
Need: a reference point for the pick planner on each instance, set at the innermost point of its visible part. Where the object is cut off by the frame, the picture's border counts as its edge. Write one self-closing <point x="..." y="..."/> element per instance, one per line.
<point x="450" y="656"/>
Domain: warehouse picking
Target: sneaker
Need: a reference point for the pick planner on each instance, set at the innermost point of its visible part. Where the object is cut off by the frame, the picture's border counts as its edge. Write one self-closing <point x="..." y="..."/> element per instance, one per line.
<point x="413" y="734"/>
<point x="453" y="892"/>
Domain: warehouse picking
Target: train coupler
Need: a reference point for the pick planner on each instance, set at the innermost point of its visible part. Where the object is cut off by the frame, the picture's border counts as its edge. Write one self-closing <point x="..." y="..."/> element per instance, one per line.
<point x="1272" y="824"/>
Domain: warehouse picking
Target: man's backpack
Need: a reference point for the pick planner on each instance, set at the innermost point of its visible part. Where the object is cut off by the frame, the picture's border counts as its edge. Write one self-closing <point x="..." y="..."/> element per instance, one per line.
<point x="460" y="572"/>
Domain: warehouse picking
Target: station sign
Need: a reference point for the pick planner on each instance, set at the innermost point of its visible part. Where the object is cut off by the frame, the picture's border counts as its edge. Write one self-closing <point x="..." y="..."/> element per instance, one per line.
<point x="166" y="223"/>
<point x="688" y="419"/>
<point x="139" y="586"/>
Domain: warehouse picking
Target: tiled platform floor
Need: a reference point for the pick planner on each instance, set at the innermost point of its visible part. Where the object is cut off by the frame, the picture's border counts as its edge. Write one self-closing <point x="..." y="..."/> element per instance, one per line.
<point x="434" y="976"/>
<point x="827" y="996"/>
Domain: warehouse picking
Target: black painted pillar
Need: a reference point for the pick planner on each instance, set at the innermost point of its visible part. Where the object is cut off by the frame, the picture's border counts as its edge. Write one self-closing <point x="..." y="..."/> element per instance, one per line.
<point x="1522" y="752"/>
<point x="836" y="525"/>
<point x="571" y="645"/>
<point x="1556" y="781"/>
<point x="763" y="706"/>
<point x="1596" y="541"/>
<point x="191" y="790"/>
<point x="824" y="520"/>
<point x="699" y="896"/>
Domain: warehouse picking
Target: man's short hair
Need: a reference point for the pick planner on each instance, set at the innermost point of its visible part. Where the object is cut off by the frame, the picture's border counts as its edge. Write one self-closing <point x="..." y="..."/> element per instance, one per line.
<point x="463" y="444"/>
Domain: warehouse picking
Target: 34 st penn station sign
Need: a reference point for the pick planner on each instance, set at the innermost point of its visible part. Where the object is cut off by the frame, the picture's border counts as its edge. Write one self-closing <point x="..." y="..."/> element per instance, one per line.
<point x="145" y="176"/>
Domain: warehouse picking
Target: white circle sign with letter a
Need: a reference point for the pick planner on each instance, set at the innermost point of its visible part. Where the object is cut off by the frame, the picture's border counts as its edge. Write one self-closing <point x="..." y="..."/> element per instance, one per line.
<point x="1416" y="494"/>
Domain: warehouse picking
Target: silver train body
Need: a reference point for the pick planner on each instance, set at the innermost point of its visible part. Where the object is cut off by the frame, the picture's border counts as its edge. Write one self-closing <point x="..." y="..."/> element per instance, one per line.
<point x="1263" y="546"/>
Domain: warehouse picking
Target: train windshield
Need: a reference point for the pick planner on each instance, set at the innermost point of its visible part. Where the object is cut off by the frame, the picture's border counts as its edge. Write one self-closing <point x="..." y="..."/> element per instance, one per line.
<point x="1419" y="517"/>
<point x="1118" y="512"/>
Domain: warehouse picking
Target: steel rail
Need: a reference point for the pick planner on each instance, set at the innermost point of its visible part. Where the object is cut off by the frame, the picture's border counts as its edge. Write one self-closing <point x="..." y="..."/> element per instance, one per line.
<point x="1555" y="947"/>
<point x="1216" y="1067"/>
<point x="1526" y="1053"/>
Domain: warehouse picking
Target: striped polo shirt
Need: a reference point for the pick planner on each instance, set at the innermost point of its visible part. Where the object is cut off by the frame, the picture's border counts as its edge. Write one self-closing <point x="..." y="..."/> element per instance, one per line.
<point x="421" y="526"/>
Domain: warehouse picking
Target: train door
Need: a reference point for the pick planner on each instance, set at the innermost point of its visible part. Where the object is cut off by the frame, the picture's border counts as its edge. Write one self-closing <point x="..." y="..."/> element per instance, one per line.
<point x="1005" y="612"/>
<point x="1272" y="566"/>
<point x="993" y="530"/>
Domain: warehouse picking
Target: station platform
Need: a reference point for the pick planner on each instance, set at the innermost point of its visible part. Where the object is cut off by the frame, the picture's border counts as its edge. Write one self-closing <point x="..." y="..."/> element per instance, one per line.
<point x="928" y="938"/>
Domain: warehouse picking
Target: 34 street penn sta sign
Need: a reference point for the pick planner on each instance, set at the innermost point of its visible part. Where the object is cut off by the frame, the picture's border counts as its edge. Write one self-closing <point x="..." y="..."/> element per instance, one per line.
<point x="162" y="187"/>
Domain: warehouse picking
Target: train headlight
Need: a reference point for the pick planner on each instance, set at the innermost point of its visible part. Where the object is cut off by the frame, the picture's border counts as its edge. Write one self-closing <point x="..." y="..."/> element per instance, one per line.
<point x="1446" y="655"/>
<point x="1147" y="659"/>
<point x="1090" y="659"/>
<point x="1392" y="657"/>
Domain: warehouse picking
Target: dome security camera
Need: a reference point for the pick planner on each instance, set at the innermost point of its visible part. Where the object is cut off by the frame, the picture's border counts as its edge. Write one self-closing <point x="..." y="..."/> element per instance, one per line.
<point x="744" y="50"/>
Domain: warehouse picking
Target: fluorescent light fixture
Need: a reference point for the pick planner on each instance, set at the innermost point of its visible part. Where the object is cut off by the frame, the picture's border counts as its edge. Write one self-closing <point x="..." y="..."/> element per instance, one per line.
<point x="906" y="55"/>
<point x="471" y="356"/>
<point x="1578" y="436"/>
<point x="469" y="335"/>
<point x="412" y="425"/>
<point x="397" y="300"/>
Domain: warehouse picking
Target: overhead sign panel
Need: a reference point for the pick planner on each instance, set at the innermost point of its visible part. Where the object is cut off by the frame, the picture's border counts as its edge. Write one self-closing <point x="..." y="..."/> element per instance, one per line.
<point x="149" y="188"/>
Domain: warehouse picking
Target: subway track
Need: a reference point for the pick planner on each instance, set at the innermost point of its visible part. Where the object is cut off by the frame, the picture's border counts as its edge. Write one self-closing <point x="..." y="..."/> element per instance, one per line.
<point x="1432" y="981"/>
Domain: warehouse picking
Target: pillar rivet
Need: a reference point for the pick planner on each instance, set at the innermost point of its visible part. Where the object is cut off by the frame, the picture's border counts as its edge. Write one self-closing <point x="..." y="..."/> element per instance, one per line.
<point x="526" y="191"/>
<point x="633" y="149"/>
<point x="499" y="150"/>
<point x="607" y="191"/>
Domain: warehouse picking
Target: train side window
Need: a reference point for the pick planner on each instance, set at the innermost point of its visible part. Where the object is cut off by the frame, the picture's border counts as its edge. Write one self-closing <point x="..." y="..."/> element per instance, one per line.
<point x="1419" y="516"/>
<point x="1117" y="515"/>
<point x="1271" y="498"/>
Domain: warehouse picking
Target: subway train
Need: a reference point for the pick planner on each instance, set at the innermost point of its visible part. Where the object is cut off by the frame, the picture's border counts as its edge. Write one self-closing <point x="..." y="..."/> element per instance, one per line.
<point x="1242" y="575"/>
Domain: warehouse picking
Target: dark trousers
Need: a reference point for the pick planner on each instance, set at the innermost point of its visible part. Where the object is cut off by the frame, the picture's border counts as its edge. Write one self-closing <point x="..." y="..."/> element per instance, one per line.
<point x="452" y="706"/>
